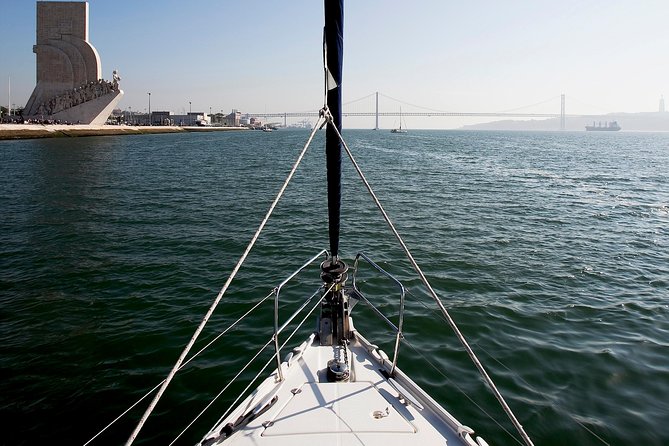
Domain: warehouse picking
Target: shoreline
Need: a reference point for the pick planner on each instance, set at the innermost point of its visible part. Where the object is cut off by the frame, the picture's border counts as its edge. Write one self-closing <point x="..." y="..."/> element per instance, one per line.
<point x="34" y="131"/>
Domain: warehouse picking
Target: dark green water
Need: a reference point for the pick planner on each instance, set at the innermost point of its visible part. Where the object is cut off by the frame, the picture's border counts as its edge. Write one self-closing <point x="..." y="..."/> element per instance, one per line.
<point x="551" y="250"/>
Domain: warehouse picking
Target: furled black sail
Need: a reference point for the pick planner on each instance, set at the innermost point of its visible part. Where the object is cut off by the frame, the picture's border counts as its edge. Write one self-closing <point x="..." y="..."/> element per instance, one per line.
<point x="334" y="54"/>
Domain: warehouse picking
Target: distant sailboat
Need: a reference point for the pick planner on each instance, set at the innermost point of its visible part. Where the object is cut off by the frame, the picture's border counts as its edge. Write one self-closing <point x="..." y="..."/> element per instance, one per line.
<point x="399" y="130"/>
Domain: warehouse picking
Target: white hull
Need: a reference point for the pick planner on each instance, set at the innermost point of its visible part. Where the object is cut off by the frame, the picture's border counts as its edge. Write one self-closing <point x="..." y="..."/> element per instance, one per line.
<point x="368" y="409"/>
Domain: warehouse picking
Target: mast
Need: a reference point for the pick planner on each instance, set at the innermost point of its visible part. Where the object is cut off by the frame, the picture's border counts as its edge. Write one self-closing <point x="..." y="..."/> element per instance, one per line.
<point x="333" y="49"/>
<point x="333" y="323"/>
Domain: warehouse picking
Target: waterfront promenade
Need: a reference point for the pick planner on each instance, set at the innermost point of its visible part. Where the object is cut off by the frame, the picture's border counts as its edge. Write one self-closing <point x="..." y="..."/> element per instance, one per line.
<point x="30" y="131"/>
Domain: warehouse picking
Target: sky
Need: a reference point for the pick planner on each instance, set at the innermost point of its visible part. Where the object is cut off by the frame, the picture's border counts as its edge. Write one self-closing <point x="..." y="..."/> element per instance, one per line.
<point x="456" y="56"/>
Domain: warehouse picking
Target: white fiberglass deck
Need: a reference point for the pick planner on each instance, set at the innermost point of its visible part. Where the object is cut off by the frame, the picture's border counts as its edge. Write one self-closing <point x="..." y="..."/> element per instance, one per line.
<point x="366" y="410"/>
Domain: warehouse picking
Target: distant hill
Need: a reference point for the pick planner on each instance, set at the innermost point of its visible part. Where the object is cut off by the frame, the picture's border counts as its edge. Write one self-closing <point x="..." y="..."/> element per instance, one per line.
<point x="638" y="122"/>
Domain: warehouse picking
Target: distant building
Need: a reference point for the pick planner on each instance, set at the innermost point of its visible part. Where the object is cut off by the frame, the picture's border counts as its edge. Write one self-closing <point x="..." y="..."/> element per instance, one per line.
<point x="190" y="119"/>
<point x="161" y="118"/>
<point x="661" y="104"/>
<point x="233" y="119"/>
<point x="250" y="121"/>
<point x="183" y="120"/>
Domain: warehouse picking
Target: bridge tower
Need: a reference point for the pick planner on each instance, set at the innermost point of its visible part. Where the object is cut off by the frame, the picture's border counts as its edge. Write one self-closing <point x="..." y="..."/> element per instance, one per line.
<point x="376" y="127"/>
<point x="562" y="113"/>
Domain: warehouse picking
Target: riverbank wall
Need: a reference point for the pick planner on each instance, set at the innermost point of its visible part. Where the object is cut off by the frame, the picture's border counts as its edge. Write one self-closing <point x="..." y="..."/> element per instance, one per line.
<point x="33" y="131"/>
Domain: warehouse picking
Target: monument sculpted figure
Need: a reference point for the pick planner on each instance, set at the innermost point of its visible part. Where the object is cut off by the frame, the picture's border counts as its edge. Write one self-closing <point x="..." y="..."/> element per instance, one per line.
<point x="69" y="85"/>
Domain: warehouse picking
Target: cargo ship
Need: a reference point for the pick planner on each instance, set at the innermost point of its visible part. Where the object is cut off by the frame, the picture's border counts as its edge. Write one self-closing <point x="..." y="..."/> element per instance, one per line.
<point x="608" y="127"/>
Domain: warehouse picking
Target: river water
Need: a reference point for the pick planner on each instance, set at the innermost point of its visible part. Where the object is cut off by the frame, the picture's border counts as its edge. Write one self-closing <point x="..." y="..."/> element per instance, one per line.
<point x="550" y="250"/>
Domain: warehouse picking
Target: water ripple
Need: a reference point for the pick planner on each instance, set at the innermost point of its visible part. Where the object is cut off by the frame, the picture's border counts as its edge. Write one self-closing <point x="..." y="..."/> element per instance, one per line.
<point x="549" y="250"/>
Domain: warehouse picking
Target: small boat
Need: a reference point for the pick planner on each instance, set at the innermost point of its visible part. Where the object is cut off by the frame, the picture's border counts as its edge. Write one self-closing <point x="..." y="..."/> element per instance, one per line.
<point x="400" y="129"/>
<point x="607" y="127"/>
<point x="266" y="129"/>
<point x="336" y="386"/>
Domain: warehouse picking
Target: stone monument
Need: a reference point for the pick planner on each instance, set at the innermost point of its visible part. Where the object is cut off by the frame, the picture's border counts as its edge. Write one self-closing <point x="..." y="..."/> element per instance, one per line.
<point x="69" y="83"/>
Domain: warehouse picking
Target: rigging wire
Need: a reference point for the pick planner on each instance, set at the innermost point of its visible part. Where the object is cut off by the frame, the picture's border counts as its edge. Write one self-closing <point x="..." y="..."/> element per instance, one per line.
<point x="431" y="291"/>
<point x="213" y="306"/>
<point x="441" y="372"/>
<point x="471" y="400"/>
<point x="243" y="369"/>
<point x="528" y="385"/>
<point x="262" y="370"/>
<point x="271" y="359"/>
<point x="417" y="299"/>
<point x="233" y="325"/>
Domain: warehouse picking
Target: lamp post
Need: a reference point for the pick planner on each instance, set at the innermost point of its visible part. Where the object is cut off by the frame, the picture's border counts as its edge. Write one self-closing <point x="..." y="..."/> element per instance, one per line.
<point x="150" y="123"/>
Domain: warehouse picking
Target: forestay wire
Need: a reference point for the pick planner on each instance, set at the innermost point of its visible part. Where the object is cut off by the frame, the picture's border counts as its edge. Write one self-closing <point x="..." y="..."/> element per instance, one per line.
<point x="213" y="306"/>
<point x="431" y="291"/>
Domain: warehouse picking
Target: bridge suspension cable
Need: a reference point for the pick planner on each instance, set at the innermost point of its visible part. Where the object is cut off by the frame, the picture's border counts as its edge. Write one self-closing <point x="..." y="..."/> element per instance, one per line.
<point x="571" y="98"/>
<point x="359" y="99"/>
<point x="529" y="106"/>
<point x="413" y="105"/>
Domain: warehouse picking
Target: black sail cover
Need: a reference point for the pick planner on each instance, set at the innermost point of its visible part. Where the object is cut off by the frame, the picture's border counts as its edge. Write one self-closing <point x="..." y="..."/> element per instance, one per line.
<point x="334" y="54"/>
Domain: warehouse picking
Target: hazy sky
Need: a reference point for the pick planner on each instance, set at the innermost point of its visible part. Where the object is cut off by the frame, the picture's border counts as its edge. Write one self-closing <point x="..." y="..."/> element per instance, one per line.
<point x="265" y="56"/>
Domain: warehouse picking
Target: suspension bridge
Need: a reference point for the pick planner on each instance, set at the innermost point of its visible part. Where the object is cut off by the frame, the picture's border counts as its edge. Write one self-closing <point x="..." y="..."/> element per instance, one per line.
<point x="426" y="112"/>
